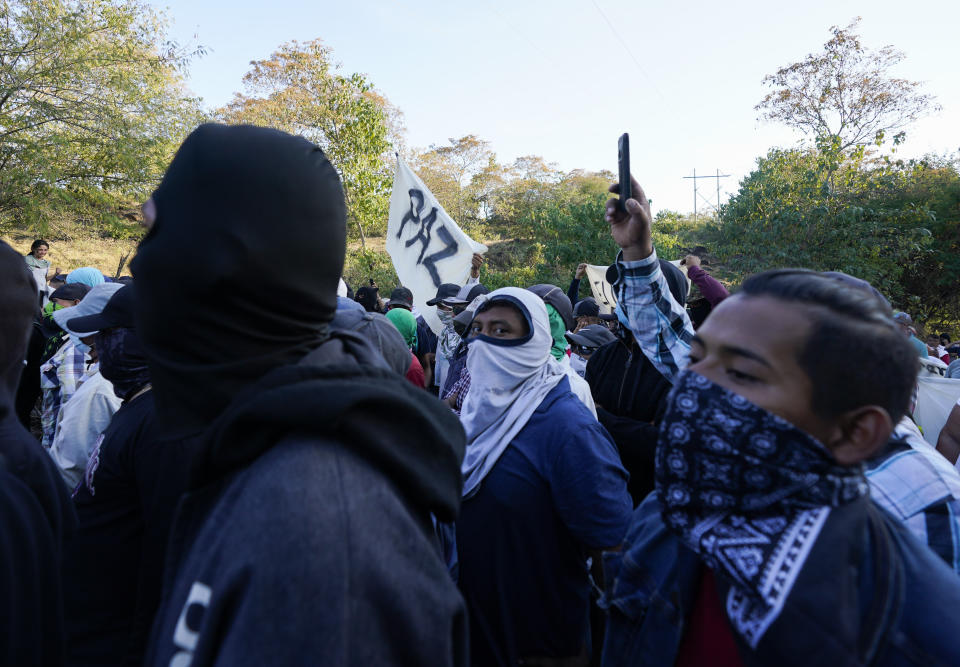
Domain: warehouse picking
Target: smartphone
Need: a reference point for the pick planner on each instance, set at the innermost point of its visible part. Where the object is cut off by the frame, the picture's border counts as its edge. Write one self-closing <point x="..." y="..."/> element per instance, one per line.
<point x="623" y="157"/>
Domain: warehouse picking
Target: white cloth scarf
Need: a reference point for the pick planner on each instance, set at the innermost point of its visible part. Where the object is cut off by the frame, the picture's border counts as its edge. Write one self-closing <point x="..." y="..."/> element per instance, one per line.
<point x="507" y="384"/>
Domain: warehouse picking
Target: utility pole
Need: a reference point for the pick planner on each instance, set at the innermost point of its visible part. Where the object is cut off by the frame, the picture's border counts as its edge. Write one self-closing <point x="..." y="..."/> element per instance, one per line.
<point x="696" y="192"/>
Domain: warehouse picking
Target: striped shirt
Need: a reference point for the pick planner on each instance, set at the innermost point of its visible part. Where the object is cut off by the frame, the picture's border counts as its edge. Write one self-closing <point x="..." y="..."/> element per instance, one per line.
<point x="659" y="324"/>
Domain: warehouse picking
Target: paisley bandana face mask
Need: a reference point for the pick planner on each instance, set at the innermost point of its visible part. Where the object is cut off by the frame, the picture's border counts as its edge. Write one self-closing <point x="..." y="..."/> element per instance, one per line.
<point x="748" y="491"/>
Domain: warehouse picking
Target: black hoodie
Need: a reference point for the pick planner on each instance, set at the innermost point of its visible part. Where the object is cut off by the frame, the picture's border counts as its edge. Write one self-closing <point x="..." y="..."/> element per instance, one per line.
<point x="36" y="516"/>
<point x="306" y="536"/>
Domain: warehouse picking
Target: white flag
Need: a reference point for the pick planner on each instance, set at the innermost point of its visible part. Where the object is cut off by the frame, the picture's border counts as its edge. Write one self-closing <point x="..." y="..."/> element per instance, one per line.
<point x="602" y="290"/>
<point x="427" y="247"/>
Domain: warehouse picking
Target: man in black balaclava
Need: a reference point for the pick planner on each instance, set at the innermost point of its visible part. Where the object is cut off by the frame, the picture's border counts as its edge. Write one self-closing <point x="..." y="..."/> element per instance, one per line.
<point x="36" y="516"/>
<point x="630" y="395"/>
<point x="306" y="536"/>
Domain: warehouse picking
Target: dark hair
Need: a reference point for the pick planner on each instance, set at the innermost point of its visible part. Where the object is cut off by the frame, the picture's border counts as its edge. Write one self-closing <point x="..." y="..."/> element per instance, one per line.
<point x="855" y="354"/>
<point x="36" y="244"/>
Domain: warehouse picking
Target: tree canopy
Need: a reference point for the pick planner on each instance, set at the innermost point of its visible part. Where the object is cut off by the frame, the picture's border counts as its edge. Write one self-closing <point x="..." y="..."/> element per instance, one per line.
<point x="92" y="106"/>
<point x="845" y="91"/>
<point x="301" y="90"/>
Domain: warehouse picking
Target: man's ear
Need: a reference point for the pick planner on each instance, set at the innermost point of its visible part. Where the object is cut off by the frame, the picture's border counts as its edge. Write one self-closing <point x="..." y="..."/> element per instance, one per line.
<point x="861" y="434"/>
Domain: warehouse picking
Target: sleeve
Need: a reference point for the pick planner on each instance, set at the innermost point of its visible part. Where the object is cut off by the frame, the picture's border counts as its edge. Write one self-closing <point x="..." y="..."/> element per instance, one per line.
<point x="589" y="487"/>
<point x="471" y="281"/>
<point x="659" y="324"/>
<point x="573" y="292"/>
<point x="710" y="287"/>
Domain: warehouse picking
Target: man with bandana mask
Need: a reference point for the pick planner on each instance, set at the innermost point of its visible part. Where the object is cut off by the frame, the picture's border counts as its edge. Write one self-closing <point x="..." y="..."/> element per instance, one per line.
<point x="761" y="545"/>
<point x="543" y="487"/>
<point x="125" y="504"/>
<point x="305" y="536"/>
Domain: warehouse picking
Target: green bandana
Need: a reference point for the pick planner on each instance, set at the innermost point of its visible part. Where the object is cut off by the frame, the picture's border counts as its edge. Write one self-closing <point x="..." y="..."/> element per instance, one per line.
<point x="558" y="332"/>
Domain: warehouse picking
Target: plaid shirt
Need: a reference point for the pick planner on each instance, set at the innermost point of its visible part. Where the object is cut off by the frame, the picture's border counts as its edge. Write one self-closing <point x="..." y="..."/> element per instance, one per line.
<point x="460" y="388"/>
<point x="917" y="485"/>
<point x="59" y="378"/>
<point x="659" y="324"/>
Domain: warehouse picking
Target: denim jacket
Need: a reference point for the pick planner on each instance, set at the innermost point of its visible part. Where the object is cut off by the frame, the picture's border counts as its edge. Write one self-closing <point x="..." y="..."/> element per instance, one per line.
<point x="869" y="593"/>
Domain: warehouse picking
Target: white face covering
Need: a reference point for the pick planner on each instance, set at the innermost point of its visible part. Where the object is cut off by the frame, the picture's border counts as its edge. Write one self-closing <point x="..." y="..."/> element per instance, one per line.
<point x="508" y="381"/>
<point x="578" y="364"/>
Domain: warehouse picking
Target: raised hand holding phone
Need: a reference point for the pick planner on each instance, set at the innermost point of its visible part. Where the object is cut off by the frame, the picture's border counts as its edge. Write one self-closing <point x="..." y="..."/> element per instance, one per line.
<point x="629" y="215"/>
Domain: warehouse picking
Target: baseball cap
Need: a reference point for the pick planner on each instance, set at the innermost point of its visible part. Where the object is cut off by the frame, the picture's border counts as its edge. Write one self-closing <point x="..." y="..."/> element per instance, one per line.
<point x="467" y="294"/>
<point x="901" y="316"/>
<point x="445" y="291"/>
<point x="402" y="297"/>
<point x="71" y="292"/>
<point x="595" y="335"/>
<point x="94" y="302"/>
<point x="117" y="313"/>
<point x="587" y="307"/>
<point x="557" y="298"/>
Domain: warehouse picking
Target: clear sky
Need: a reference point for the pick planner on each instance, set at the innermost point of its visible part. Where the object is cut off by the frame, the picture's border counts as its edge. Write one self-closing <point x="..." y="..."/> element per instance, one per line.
<point x="552" y="78"/>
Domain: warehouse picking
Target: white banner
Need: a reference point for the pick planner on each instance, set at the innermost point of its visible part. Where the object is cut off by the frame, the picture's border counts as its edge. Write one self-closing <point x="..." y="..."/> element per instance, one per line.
<point x="602" y="290"/>
<point x="427" y="247"/>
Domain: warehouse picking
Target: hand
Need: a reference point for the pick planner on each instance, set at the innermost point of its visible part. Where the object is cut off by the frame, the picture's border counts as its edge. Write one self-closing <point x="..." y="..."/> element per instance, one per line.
<point x="631" y="230"/>
<point x="691" y="260"/>
<point x="581" y="270"/>
<point x="475" y="263"/>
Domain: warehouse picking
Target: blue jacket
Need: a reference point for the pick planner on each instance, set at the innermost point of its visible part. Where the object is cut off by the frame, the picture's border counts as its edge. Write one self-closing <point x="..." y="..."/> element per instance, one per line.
<point x="869" y="593"/>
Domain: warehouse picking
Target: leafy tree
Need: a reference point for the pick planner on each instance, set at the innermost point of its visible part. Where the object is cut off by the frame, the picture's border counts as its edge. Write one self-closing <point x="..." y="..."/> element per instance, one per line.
<point x="787" y="214"/>
<point x="844" y="92"/>
<point x="300" y="89"/>
<point x="459" y="175"/>
<point x="92" y="106"/>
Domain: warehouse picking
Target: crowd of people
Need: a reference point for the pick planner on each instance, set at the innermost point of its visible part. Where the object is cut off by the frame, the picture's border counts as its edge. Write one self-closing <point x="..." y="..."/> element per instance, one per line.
<point x="235" y="458"/>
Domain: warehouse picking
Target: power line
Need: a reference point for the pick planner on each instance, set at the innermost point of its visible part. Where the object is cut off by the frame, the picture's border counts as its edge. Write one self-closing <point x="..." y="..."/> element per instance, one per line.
<point x="629" y="52"/>
<point x="697" y="193"/>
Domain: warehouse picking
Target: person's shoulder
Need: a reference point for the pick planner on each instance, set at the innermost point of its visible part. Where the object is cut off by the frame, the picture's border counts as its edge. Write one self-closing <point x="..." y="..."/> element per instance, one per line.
<point x="310" y="478"/>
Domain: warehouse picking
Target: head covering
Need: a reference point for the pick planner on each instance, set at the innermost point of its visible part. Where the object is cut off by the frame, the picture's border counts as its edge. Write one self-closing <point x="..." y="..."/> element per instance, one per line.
<point x="236" y="203"/>
<point x="587" y="307"/>
<point x="87" y="275"/>
<point x="467" y="294"/>
<point x="18" y="305"/>
<point x="508" y="381"/>
<point x="401" y="297"/>
<point x="122" y="361"/>
<point x="593" y="335"/>
<point x="367" y="297"/>
<point x="92" y="304"/>
<point x="406" y="324"/>
<point x="445" y="291"/>
<point x="556" y="297"/>
<point x="901" y="316"/>
<point x="118" y="312"/>
<point x="676" y="280"/>
<point x="379" y="332"/>
<point x="71" y="292"/>
<point x="558" y="330"/>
